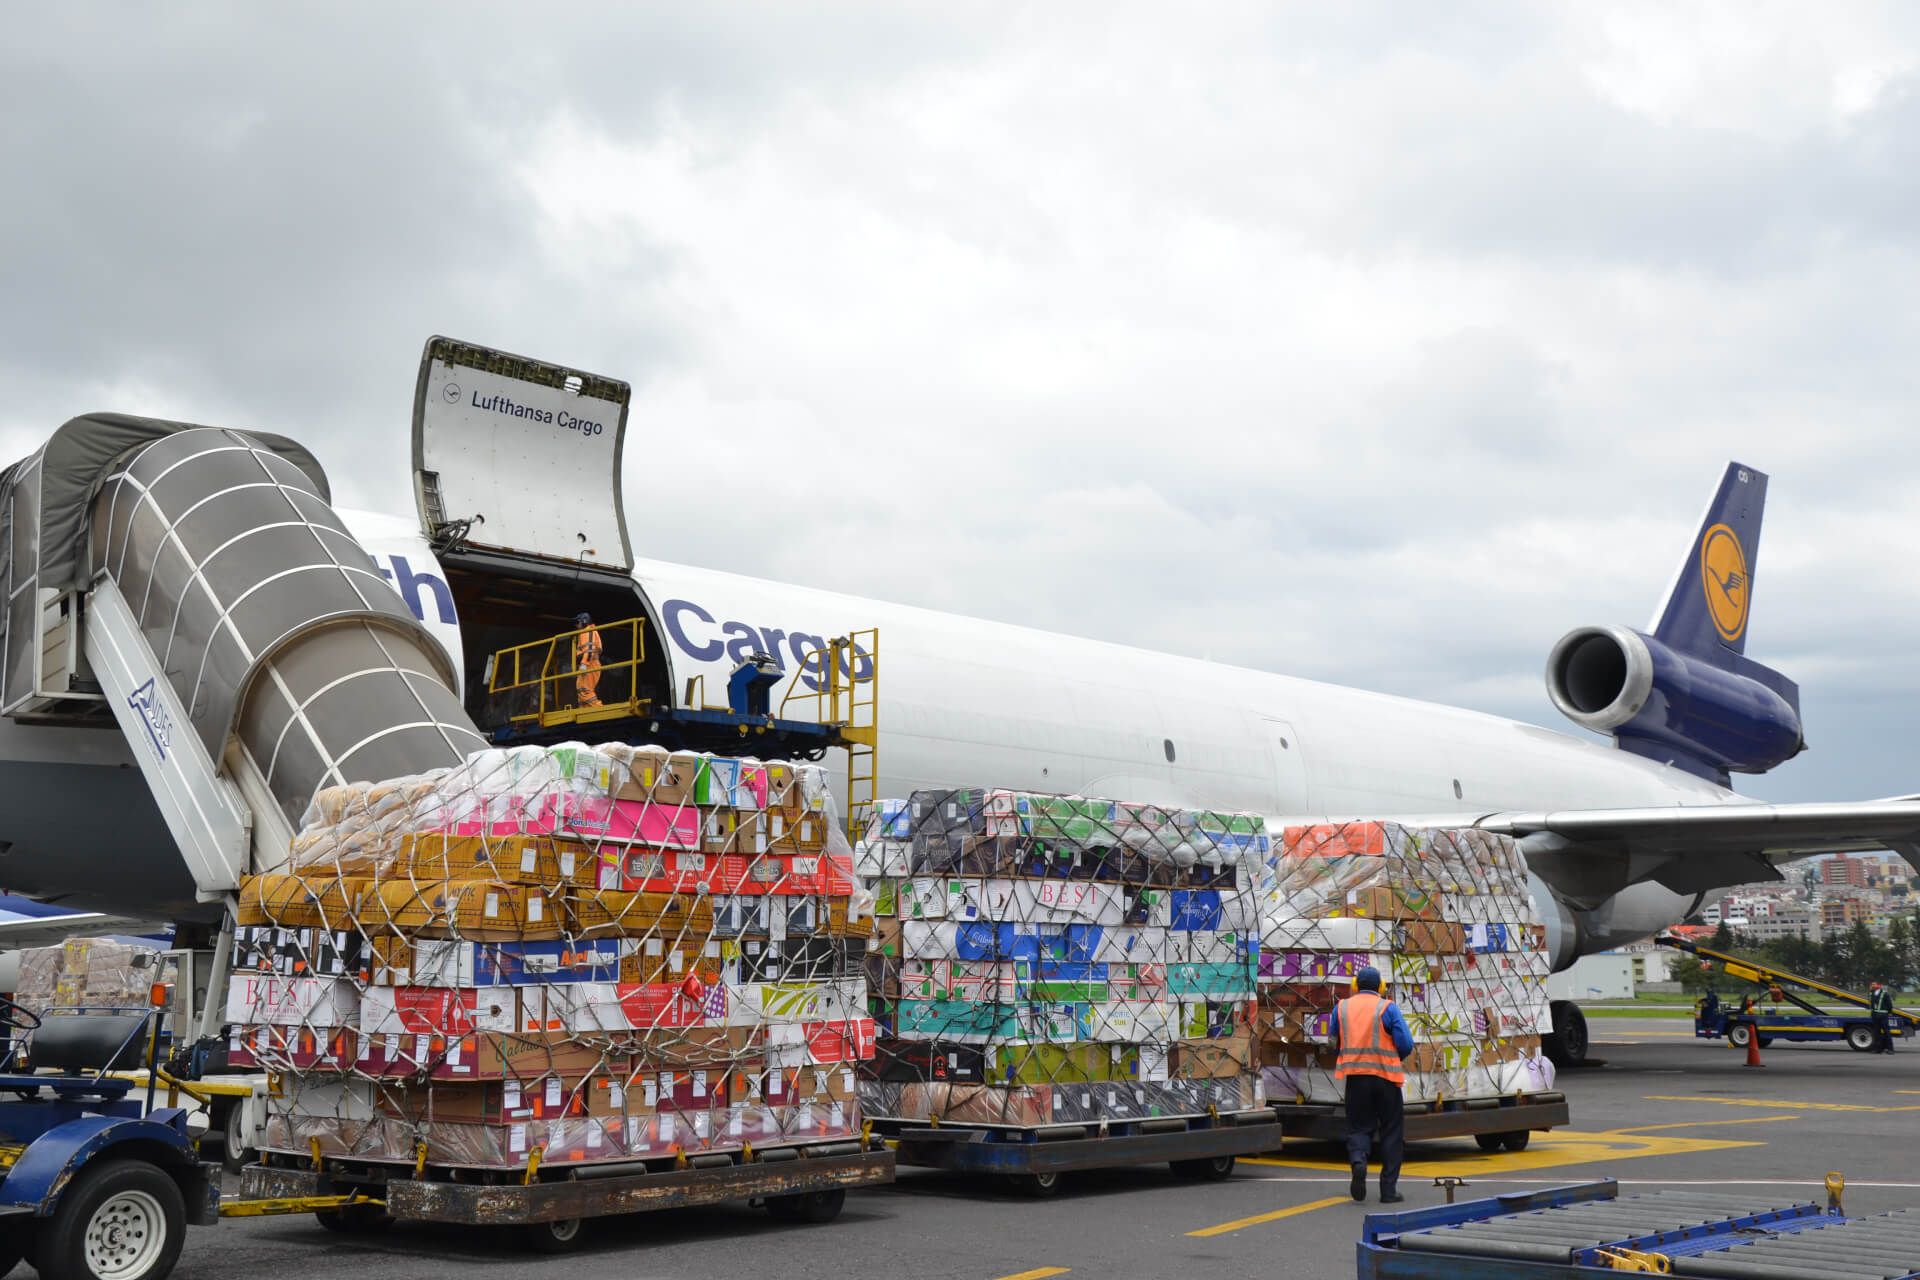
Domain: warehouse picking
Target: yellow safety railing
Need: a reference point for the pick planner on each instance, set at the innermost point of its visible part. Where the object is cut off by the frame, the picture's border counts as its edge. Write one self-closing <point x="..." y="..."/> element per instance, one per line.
<point x="548" y="683"/>
<point x="845" y="693"/>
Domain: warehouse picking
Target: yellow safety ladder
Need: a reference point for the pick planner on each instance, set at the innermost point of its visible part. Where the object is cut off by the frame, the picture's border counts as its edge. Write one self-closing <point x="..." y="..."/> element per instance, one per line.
<point x="847" y="673"/>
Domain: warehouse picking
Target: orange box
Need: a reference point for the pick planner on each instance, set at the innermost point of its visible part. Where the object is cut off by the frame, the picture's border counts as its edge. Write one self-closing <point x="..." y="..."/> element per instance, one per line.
<point x="614" y="913"/>
<point x="1339" y="840"/>
<point x="541" y="861"/>
<point x="476" y="910"/>
<point x="317" y="902"/>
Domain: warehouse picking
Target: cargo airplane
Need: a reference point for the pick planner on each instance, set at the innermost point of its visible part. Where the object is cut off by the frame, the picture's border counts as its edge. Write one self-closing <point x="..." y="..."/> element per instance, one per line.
<point x="509" y="542"/>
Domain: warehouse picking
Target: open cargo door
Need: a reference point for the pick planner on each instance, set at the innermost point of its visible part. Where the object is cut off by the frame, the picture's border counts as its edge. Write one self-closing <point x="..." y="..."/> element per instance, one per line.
<point x="519" y="456"/>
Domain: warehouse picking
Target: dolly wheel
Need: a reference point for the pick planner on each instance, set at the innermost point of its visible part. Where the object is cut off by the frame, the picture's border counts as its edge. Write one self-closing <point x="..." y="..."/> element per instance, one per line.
<point x="354" y="1219"/>
<point x="1037" y="1185"/>
<point x="120" y="1220"/>
<point x="563" y="1235"/>
<point x="1490" y="1141"/>
<point x="1738" y="1034"/>
<point x="1207" y="1169"/>
<point x="808" y="1206"/>
<point x="1517" y="1140"/>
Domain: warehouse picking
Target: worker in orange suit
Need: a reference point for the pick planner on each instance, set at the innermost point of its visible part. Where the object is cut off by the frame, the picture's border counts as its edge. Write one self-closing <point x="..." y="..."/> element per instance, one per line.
<point x="1373" y="1038"/>
<point x="587" y="649"/>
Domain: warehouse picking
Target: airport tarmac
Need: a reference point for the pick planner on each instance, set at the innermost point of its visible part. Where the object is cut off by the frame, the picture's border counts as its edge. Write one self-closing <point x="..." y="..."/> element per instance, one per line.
<point x="1665" y="1110"/>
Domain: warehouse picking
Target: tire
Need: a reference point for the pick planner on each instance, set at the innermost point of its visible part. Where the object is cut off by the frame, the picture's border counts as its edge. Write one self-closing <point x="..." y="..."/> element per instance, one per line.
<point x="1566" y="1045"/>
<point x="1489" y="1141"/>
<point x="13" y="1248"/>
<point x="1738" y="1034"/>
<point x="1765" y="1041"/>
<point x="355" y="1219"/>
<point x="1862" y="1038"/>
<point x="562" y="1236"/>
<point x="808" y="1206"/>
<point x="120" y="1220"/>
<point x="1205" y="1169"/>
<point x="784" y="1208"/>
<point x="1038" y="1185"/>
<point x="1517" y="1139"/>
<point x="235" y="1154"/>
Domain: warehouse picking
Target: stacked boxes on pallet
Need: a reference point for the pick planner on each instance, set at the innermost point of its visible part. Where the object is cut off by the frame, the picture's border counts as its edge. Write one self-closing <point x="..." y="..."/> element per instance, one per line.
<point x="1051" y="959"/>
<point x="86" y="973"/>
<point x="1446" y="918"/>
<point x="592" y="953"/>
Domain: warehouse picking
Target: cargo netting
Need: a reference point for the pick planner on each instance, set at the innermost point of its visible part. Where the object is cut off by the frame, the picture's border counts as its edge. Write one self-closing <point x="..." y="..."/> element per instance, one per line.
<point x="1444" y="915"/>
<point x="558" y="955"/>
<point x="86" y="973"/>
<point x="1045" y="959"/>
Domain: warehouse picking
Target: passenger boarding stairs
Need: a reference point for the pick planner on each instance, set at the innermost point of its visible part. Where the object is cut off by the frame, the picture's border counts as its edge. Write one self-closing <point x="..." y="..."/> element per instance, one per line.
<point x="196" y="585"/>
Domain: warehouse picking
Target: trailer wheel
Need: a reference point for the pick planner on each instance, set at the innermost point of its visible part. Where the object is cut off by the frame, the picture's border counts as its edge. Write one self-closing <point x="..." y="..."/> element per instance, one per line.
<point x="355" y="1219"/>
<point x="1516" y="1139"/>
<point x="1738" y="1034"/>
<point x="1862" y="1038"/>
<point x="1566" y="1044"/>
<point x="1489" y="1141"/>
<point x="1765" y="1041"/>
<point x="560" y="1236"/>
<point x="235" y="1154"/>
<point x="1208" y="1169"/>
<point x="1037" y="1185"/>
<point x="14" y="1246"/>
<point x="121" y="1220"/>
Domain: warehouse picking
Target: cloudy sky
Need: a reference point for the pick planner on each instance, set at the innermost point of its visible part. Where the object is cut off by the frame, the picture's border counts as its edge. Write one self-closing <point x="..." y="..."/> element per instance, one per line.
<point x="1359" y="342"/>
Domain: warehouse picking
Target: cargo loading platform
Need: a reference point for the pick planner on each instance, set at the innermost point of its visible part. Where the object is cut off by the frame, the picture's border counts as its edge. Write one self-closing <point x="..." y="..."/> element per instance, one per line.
<point x="1589" y="1229"/>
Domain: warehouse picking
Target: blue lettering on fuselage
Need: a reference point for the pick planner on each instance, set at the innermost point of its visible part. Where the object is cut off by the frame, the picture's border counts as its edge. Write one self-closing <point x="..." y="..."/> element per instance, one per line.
<point x="738" y="640"/>
<point x="408" y="584"/>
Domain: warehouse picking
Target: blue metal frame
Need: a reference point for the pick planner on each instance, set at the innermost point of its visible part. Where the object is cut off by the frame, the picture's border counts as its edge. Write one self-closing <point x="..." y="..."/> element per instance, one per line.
<point x="1823" y="1027"/>
<point x="52" y="1160"/>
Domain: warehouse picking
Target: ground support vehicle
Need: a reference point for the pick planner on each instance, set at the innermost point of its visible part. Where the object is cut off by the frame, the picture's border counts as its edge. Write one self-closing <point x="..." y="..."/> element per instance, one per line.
<point x="98" y="1181"/>
<point x="1505" y="1123"/>
<point x="1589" y="1229"/>
<point x="1714" y="1019"/>
<point x="551" y="1204"/>
<point x="1202" y="1146"/>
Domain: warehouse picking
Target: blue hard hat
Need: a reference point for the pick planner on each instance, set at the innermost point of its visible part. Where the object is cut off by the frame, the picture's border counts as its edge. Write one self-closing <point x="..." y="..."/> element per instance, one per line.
<point x="1368" y="979"/>
<point x="583" y="618"/>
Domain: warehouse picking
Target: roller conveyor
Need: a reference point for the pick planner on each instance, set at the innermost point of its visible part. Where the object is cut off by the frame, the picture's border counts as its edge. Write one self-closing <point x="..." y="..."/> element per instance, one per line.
<point x="1583" y="1229"/>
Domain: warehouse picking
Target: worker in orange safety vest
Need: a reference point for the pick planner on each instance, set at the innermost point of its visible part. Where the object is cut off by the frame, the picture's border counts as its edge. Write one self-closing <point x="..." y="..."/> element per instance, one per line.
<point x="1373" y="1038"/>
<point x="586" y="662"/>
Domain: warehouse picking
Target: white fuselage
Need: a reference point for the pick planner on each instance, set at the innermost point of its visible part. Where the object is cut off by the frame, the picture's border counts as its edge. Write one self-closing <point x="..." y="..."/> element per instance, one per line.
<point x="966" y="702"/>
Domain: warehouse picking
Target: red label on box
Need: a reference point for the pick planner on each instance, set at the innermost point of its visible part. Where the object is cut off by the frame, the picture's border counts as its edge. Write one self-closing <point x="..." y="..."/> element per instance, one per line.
<point x="659" y="1004"/>
<point x="839" y="1041"/>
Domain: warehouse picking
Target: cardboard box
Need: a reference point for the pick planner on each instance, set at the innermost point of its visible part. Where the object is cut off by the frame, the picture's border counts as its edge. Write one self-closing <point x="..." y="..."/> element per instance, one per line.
<point x="1213" y="1059"/>
<point x="540" y="861"/>
<point x="616" y="913"/>
<point x="656" y="959"/>
<point x="475" y="910"/>
<point x="1394" y="902"/>
<point x="301" y="952"/>
<point x="440" y="1010"/>
<point x="264" y="999"/>
<point x="324" y="902"/>
<point x="1430" y="937"/>
<point x="485" y="1056"/>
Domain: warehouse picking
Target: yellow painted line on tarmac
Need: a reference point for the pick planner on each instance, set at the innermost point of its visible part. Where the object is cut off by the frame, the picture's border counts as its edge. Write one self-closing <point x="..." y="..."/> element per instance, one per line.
<point x="1546" y="1151"/>
<point x="1695" y="1124"/>
<point x="1038" y="1273"/>
<point x="1779" y="1104"/>
<point x="1241" y="1223"/>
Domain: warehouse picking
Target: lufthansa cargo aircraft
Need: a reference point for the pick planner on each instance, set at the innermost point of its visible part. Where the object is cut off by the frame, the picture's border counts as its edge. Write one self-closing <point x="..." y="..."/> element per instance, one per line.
<point x="515" y="535"/>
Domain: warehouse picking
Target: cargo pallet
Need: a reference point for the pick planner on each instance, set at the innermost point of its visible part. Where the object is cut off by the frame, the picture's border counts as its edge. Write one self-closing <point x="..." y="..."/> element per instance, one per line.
<point x="1590" y="1230"/>
<point x="1508" y="1121"/>
<point x="1035" y="1157"/>
<point x="805" y="1183"/>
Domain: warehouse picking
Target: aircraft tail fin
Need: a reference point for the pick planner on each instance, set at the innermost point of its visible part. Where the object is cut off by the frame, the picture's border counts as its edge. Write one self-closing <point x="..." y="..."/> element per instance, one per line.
<point x="1705" y="611"/>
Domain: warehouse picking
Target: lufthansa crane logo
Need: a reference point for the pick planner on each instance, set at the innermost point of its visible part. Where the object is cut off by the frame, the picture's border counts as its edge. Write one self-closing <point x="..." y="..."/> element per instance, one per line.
<point x="1723" y="576"/>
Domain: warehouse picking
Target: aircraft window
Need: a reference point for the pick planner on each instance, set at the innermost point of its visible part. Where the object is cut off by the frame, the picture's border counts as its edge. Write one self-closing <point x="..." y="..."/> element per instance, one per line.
<point x="1458" y="794"/>
<point x="1168" y="745"/>
<point x="1283" y="744"/>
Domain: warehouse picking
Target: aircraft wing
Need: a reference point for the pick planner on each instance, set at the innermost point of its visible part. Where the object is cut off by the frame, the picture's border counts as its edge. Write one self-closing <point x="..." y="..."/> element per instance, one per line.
<point x="1588" y="854"/>
<point x="48" y="931"/>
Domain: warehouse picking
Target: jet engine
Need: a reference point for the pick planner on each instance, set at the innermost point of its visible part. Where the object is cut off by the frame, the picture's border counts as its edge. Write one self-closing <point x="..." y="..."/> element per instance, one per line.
<point x="1712" y="719"/>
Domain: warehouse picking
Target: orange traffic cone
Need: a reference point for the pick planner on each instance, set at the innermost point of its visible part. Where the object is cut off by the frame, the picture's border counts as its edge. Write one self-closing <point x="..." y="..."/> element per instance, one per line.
<point x="1753" y="1046"/>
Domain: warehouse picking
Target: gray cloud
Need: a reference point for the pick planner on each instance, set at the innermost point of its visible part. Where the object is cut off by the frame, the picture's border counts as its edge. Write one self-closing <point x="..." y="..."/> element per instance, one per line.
<point x="1349" y="342"/>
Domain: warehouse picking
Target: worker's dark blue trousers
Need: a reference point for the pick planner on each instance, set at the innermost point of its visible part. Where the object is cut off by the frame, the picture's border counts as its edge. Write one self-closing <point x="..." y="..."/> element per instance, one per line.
<point x="1374" y="1113"/>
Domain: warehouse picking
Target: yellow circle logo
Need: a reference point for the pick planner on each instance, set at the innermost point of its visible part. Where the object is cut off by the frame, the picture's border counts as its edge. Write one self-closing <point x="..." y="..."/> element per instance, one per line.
<point x="1723" y="576"/>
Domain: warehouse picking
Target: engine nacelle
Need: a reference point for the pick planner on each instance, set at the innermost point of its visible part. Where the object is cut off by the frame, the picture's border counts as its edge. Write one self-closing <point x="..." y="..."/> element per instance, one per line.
<point x="1671" y="706"/>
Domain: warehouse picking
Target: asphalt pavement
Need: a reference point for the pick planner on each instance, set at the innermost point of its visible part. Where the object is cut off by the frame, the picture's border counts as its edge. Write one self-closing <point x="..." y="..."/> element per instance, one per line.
<point x="1664" y="1110"/>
